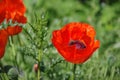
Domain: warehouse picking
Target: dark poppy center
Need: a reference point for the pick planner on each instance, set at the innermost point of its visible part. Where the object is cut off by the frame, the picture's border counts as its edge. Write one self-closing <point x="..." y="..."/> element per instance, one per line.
<point x="78" y="44"/>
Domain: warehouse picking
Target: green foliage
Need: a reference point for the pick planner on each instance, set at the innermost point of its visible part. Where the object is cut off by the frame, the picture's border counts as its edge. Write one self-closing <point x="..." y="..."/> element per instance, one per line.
<point x="35" y="39"/>
<point x="38" y="40"/>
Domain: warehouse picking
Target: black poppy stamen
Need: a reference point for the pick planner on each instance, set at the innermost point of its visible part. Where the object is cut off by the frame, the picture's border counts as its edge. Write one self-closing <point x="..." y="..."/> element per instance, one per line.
<point x="78" y="44"/>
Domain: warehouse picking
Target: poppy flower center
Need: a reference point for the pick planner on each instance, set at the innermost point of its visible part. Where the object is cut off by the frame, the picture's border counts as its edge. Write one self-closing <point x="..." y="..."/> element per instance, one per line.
<point x="78" y="44"/>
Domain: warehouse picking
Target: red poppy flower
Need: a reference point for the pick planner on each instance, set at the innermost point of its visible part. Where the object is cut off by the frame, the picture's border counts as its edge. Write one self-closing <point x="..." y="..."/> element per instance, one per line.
<point x="75" y="42"/>
<point x="12" y="9"/>
<point x="4" y="34"/>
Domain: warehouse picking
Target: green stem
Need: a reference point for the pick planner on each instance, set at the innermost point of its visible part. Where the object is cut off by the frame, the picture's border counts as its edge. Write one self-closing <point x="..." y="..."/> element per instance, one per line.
<point x="39" y="59"/>
<point x="74" y="69"/>
<point x="13" y="48"/>
<point x="14" y="57"/>
<point x="38" y="74"/>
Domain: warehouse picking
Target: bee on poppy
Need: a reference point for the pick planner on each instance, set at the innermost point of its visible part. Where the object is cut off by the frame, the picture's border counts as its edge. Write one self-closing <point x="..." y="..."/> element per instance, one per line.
<point x="75" y="42"/>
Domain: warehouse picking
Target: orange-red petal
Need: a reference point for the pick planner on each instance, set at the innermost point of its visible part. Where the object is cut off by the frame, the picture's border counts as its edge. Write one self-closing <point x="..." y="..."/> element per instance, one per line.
<point x="3" y="42"/>
<point x="13" y="30"/>
<point x="12" y="9"/>
<point x="20" y="19"/>
<point x="96" y="45"/>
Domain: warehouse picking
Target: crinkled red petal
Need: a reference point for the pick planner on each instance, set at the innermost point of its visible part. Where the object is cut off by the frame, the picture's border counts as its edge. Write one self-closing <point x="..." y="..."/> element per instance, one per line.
<point x="3" y="42"/>
<point x="13" y="30"/>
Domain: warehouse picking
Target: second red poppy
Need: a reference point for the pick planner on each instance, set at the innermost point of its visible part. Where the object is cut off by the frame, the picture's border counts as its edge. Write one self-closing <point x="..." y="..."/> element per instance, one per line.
<point x="75" y="42"/>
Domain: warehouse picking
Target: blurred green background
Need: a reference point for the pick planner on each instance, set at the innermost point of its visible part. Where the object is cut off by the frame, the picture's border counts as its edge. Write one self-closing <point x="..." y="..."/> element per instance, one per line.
<point x="104" y="15"/>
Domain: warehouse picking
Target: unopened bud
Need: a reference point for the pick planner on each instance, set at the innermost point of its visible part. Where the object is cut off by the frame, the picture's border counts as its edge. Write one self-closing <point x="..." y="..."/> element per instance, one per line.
<point x="35" y="68"/>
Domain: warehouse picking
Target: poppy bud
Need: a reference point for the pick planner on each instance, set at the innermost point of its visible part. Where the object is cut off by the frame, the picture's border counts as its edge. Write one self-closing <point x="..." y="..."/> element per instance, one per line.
<point x="35" y="67"/>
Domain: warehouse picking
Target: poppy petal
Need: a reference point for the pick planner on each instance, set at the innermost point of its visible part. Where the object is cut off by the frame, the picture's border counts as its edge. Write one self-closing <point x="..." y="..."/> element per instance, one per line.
<point x="14" y="30"/>
<point x="12" y="9"/>
<point x="3" y="42"/>
<point x="58" y="41"/>
<point x="96" y="45"/>
<point x="20" y="19"/>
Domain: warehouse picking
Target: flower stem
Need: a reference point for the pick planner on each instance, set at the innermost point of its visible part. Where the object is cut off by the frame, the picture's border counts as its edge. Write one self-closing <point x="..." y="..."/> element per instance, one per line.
<point x="38" y="74"/>
<point x="39" y="59"/>
<point x="74" y="69"/>
<point x="14" y="57"/>
<point x="12" y="46"/>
